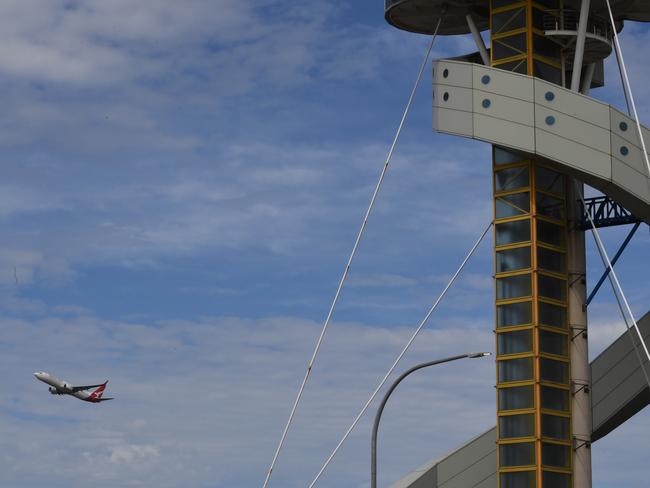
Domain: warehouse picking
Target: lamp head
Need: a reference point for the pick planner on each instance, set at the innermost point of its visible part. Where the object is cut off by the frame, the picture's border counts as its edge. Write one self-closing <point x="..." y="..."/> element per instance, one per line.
<point x="479" y="354"/>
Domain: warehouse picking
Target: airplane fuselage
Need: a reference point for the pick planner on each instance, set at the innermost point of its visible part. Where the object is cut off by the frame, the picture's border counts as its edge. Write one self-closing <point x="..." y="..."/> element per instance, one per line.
<point x="61" y="387"/>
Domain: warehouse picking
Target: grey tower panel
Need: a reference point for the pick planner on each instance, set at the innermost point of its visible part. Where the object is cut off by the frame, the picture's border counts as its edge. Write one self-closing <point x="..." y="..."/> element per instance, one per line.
<point x="579" y="136"/>
<point x="618" y="392"/>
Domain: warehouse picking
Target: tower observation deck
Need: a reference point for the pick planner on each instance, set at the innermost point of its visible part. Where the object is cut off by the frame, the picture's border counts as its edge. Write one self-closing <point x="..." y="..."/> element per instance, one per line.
<point x="529" y="99"/>
<point x="420" y="16"/>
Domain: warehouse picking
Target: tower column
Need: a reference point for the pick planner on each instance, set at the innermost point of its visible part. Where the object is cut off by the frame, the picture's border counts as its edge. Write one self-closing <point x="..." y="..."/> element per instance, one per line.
<point x="580" y="45"/>
<point x="580" y="371"/>
<point x="534" y="432"/>
<point x="532" y="254"/>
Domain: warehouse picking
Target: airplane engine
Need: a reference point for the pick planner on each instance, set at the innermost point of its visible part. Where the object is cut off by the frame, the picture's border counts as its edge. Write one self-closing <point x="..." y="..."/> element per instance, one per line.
<point x="53" y="391"/>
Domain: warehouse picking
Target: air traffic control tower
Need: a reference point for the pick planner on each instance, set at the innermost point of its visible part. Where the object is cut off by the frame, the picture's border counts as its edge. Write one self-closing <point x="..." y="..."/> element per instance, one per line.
<point x="527" y="95"/>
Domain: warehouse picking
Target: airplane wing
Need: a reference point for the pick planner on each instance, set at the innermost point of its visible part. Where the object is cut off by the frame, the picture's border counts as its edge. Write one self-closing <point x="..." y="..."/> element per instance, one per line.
<point x="75" y="389"/>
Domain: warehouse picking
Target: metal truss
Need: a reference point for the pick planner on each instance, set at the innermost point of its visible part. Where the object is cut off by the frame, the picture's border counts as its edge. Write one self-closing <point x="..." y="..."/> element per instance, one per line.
<point x="604" y="212"/>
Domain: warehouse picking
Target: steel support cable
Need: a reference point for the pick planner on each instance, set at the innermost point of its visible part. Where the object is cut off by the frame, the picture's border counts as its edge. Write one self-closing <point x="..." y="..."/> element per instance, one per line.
<point x="352" y="254"/>
<point x="629" y="331"/>
<point x="620" y="72"/>
<point x="618" y="254"/>
<point x="401" y="354"/>
<point x="627" y="87"/>
<point x="618" y="292"/>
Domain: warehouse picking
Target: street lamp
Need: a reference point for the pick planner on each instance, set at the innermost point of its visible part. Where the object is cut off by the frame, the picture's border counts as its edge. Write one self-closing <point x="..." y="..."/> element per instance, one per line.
<point x="380" y="410"/>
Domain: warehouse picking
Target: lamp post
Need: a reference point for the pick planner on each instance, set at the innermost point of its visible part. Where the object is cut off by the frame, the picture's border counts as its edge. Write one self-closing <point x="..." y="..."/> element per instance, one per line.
<point x="380" y="410"/>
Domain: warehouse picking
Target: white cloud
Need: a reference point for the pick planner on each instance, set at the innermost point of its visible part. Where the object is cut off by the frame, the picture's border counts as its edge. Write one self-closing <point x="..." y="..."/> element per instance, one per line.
<point x="208" y="397"/>
<point x="128" y="454"/>
<point x="144" y="134"/>
<point x="203" y="402"/>
<point x="93" y="94"/>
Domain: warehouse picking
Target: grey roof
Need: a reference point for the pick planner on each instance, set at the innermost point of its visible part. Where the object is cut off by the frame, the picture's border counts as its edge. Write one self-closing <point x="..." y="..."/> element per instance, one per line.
<point x="421" y="16"/>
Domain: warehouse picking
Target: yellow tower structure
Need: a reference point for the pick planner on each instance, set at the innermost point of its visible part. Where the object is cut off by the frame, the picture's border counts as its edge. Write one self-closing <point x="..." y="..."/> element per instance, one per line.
<point x="548" y="138"/>
<point x="533" y="356"/>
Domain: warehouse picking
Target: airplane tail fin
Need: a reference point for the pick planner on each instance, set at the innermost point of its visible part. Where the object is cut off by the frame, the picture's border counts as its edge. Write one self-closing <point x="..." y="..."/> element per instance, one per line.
<point x="97" y="394"/>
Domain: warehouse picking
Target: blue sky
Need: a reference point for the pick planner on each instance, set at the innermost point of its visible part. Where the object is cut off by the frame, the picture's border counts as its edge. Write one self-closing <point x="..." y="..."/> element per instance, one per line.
<point x="183" y="182"/>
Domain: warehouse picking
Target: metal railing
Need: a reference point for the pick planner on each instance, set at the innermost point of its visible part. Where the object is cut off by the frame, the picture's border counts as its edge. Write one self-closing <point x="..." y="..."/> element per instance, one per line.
<point x="567" y="19"/>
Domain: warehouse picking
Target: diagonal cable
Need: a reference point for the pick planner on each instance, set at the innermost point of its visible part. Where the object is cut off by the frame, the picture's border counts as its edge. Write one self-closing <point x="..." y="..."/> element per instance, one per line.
<point x="401" y="354"/>
<point x="618" y="291"/>
<point x="629" y="330"/>
<point x="627" y="87"/>
<point x="352" y="254"/>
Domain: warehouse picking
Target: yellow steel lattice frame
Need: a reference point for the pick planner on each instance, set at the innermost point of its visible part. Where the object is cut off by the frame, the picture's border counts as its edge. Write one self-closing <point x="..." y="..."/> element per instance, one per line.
<point x="530" y="56"/>
<point x="517" y="303"/>
<point x="534" y="270"/>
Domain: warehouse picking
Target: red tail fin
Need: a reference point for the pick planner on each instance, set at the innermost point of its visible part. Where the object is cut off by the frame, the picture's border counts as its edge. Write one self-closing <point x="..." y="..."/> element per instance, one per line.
<point x="97" y="394"/>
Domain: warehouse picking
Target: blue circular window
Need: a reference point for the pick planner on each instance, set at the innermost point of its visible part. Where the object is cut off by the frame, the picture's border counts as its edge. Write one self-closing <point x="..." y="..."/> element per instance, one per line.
<point x="550" y="96"/>
<point x="624" y="150"/>
<point x="485" y="80"/>
<point x="486" y="103"/>
<point x="445" y="97"/>
<point x="623" y="126"/>
<point x="550" y="120"/>
<point x="445" y="73"/>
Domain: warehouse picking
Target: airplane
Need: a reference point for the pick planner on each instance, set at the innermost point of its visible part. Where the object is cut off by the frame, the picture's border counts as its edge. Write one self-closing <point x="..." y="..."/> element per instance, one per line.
<point x="58" y="387"/>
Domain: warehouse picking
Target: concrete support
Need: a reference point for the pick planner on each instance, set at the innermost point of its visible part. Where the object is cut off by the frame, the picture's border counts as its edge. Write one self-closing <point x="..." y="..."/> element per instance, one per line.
<point x="580" y="45"/>
<point x="587" y="79"/>
<point x="580" y="371"/>
<point x="478" y="40"/>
